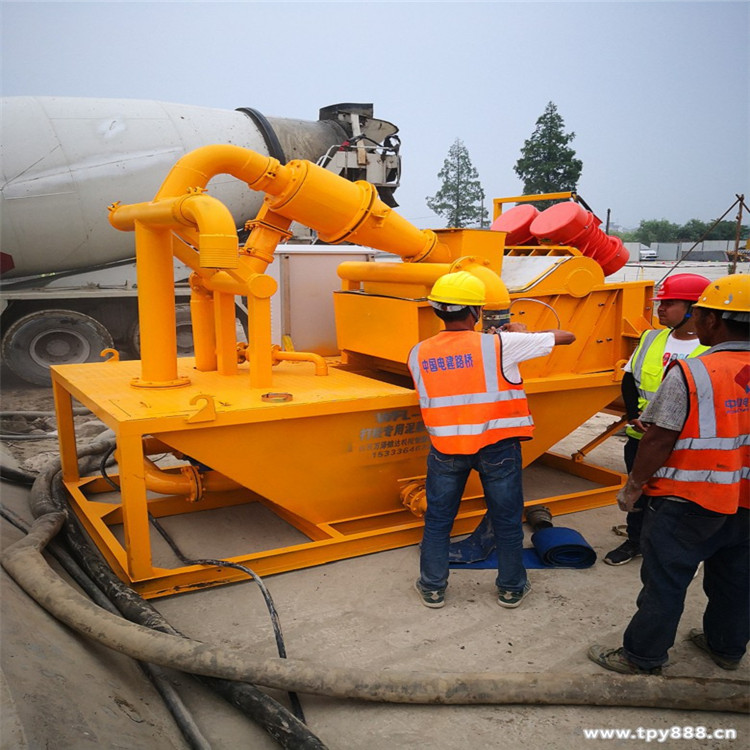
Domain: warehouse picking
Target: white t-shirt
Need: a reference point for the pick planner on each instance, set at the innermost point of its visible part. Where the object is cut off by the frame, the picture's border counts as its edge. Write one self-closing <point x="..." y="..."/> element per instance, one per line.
<point x="518" y="347"/>
<point x="674" y="349"/>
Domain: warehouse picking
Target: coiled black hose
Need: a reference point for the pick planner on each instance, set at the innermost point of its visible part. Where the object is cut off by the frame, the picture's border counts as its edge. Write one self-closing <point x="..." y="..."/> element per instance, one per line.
<point x="280" y="647"/>
<point x="48" y="498"/>
<point x="157" y="675"/>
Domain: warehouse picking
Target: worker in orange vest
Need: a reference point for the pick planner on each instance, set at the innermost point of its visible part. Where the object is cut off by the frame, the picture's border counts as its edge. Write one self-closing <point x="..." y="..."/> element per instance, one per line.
<point x="694" y="466"/>
<point x="475" y="411"/>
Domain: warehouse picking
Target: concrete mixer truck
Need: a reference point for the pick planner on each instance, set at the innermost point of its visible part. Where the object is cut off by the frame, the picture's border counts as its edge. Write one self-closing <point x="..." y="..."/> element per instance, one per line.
<point x="68" y="280"/>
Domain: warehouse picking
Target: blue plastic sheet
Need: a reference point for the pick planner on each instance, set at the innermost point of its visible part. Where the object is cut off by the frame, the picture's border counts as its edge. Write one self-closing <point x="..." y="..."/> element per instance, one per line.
<point x="554" y="547"/>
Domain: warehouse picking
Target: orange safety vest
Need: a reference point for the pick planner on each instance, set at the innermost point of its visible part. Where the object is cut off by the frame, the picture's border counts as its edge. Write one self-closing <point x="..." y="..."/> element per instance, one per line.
<point x="710" y="462"/>
<point x="467" y="403"/>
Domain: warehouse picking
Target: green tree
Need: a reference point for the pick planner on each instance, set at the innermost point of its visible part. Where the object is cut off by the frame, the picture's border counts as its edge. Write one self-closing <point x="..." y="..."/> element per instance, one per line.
<point x="657" y="230"/>
<point x="460" y="200"/>
<point x="548" y="163"/>
<point x="693" y="230"/>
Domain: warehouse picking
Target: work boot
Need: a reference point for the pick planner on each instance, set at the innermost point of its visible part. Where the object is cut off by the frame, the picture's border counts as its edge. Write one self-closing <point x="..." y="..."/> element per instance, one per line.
<point x="615" y="660"/>
<point x="434" y="599"/>
<point x="623" y="554"/>
<point x="477" y="546"/>
<point x="698" y="638"/>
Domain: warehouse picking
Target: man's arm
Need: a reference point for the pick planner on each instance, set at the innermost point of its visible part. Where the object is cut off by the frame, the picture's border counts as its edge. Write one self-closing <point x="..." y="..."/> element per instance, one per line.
<point x="665" y="416"/>
<point x="562" y="338"/>
<point x="629" y="392"/>
<point x="653" y="452"/>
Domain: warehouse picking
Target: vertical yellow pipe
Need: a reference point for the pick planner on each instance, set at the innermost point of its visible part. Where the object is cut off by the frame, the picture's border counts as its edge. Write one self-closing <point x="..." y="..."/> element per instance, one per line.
<point x="226" y="340"/>
<point x="202" y="319"/>
<point x="259" y="336"/>
<point x="156" y="306"/>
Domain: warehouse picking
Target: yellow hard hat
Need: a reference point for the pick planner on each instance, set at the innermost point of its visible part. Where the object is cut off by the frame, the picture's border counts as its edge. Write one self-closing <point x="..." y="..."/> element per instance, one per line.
<point x="459" y="288"/>
<point x="729" y="293"/>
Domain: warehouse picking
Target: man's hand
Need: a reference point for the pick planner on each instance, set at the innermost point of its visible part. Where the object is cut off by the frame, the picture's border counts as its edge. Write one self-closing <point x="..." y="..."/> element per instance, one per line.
<point x="638" y="425"/>
<point x="514" y="328"/>
<point x="628" y="495"/>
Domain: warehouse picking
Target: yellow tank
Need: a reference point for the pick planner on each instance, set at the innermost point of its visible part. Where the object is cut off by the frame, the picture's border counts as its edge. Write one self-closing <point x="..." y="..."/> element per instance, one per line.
<point x="335" y="447"/>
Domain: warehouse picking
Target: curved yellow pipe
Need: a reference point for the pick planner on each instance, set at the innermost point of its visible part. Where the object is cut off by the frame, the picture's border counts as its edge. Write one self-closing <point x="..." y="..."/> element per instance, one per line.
<point x="198" y="167"/>
<point x="217" y="235"/>
<point x="321" y="366"/>
<point x="190" y="482"/>
<point x="302" y="191"/>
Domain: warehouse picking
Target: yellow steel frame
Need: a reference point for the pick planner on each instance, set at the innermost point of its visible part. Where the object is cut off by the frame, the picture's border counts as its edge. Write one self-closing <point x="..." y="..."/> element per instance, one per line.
<point x="333" y="535"/>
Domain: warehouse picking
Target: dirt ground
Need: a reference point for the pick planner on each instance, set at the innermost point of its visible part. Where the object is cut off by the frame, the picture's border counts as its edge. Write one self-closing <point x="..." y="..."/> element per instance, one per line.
<point x="60" y="691"/>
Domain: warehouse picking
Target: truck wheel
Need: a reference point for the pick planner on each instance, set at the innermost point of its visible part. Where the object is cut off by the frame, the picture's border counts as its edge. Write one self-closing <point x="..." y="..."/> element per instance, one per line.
<point x="52" y="337"/>
<point x="184" y="323"/>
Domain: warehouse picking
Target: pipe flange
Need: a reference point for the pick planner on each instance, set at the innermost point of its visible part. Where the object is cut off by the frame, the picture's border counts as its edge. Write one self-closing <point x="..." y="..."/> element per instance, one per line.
<point x="276" y="398"/>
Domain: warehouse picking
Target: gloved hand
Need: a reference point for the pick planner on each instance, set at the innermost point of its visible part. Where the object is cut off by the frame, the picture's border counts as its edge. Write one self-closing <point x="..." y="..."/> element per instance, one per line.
<point x="628" y="495"/>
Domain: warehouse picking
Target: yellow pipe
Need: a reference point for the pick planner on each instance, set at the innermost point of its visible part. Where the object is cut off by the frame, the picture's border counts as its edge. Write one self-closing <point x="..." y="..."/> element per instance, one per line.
<point x="202" y="318"/>
<point x="160" y="213"/>
<point x="198" y="167"/>
<point x="226" y="340"/>
<point x="156" y="307"/>
<point x="321" y="366"/>
<point x="331" y="205"/>
<point x="336" y="208"/>
<point x="189" y="482"/>
<point x="417" y="273"/>
<point x="217" y="235"/>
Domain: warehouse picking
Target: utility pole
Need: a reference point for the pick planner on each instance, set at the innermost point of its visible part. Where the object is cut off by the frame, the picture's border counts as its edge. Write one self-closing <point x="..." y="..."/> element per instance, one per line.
<point x="738" y="229"/>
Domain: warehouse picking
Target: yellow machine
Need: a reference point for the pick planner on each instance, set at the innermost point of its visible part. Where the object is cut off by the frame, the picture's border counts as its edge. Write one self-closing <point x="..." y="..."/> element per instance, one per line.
<point x="334" y="447"/>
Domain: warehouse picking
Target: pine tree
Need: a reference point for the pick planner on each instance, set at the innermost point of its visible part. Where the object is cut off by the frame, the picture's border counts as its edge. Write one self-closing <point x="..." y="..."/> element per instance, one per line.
<point x="460" y="200"/>
<point x="548" y="163"/>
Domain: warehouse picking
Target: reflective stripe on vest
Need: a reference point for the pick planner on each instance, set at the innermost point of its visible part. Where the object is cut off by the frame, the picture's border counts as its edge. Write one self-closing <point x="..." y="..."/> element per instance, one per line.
<point x="650" y="351"/>
<point x="645" y="349"/>
<point x="710" y="461"/>
<point x="466" y="421"/>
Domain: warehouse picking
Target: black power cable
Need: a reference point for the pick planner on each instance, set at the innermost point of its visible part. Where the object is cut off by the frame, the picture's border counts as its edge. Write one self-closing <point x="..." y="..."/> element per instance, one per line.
<point x="210" y="562"/>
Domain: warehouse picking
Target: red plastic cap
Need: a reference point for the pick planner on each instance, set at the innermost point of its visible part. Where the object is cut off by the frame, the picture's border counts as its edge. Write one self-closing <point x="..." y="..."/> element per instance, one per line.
<point x="683" y="286"/>
<point x="562" y="223"/>
<point x="516" y="222"/>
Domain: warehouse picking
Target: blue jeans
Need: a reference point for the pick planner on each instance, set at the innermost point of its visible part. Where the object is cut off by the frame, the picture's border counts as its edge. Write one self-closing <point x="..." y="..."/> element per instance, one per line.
<point x="676" y="537"/>
<point x="499" y="467"/>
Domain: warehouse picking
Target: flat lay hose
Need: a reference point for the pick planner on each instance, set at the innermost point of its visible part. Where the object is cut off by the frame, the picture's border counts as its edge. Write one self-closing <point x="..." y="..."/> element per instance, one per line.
<point x="25" y="563"/>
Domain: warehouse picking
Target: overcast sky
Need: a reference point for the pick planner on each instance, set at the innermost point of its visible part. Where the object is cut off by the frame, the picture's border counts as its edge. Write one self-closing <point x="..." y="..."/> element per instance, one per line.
<point x="657" y="93"/>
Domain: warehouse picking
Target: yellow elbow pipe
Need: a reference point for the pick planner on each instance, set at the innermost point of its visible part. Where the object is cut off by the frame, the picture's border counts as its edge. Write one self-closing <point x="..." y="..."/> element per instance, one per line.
<point x="217" y="235"/>
<point x="278" y="355"/>
<point x="198" y="167"/>
<point x="190" y="482"/>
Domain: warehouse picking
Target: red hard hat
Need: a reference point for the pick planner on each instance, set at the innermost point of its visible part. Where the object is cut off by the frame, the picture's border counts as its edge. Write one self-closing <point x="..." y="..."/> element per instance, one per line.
<point x="682" y="286"/>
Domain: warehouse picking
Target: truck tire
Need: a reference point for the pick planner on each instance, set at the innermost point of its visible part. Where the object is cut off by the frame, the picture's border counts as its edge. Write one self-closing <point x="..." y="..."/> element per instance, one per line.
<point x="184" y="323"/>
<point x="52" y="337"/>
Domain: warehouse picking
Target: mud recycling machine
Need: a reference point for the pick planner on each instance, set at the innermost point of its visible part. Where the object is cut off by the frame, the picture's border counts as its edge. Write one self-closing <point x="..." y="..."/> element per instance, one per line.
<point x="334" y="447"/>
